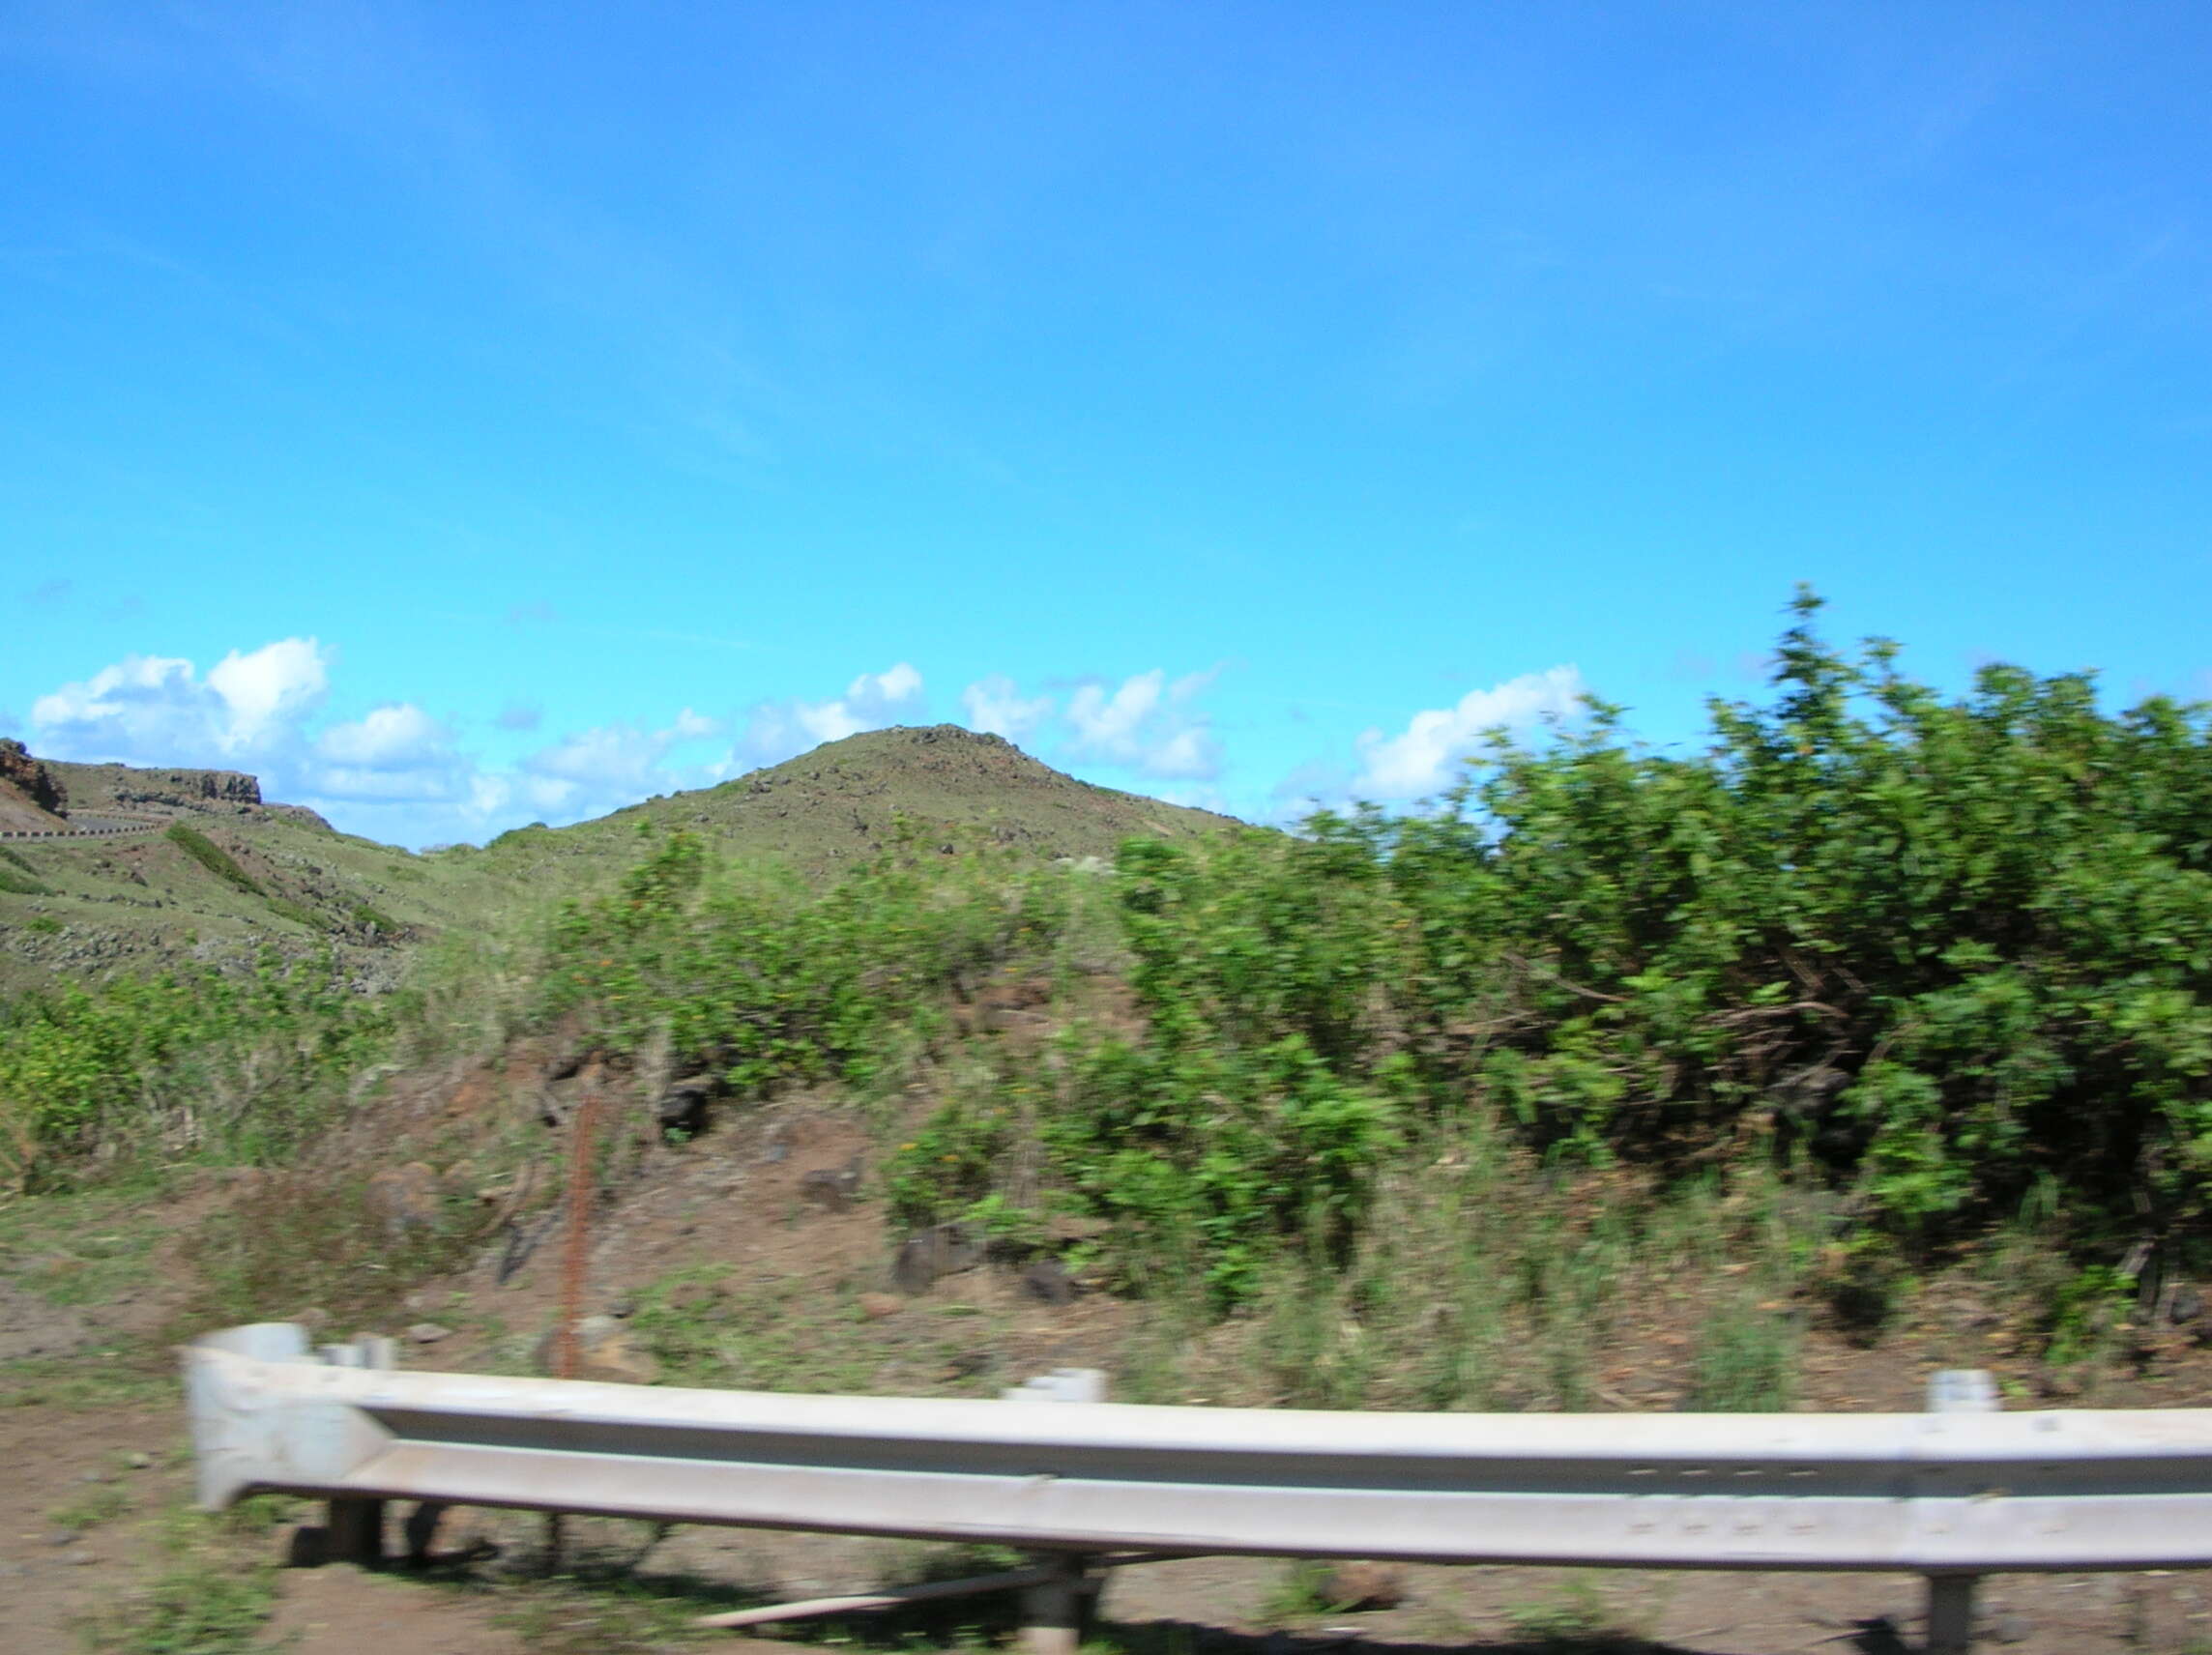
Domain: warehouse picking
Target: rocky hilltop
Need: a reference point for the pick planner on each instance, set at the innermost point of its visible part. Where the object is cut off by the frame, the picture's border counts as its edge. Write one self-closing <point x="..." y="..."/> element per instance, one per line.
<point x="829" y="809"/>
<point x="191" y="790"/>
<point x="131" y="791"/>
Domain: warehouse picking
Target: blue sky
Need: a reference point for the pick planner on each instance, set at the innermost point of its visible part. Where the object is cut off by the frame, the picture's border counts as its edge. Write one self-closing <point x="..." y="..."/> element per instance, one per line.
<point x="476" y="413"/>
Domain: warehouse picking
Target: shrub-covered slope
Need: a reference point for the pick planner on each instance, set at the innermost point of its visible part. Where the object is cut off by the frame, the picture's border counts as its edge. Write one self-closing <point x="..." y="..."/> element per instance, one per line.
<point x="86" y="910"/>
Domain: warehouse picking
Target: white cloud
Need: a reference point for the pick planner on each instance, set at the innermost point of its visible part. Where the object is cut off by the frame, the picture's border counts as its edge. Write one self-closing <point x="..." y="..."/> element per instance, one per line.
<point x="1148" y="724"/>
<point x="779" y="730"/>
<point x="274" y="685"/>
<point x="398" y="754"/>
<point x="690" y="726"/>
<point x="394" y="772"/>
<point x="156" y="710"/>
<point x="1423" y="759"/>
<point x="996" y="707"/>
<point x="400" y="732"/>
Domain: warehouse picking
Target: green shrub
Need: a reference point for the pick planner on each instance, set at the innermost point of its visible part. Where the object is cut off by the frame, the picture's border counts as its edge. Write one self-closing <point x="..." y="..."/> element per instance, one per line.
<point x="191" y="1063"/>
<point x="369" y="917"/>
<point x="764" y="981"/>
<point x="1929" y="950"/>
<point x="212" y="857"/>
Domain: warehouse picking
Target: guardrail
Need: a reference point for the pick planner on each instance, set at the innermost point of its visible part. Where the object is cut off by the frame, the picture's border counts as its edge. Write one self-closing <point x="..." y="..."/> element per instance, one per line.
<point x="60" y="836"/>
<point x="1952" y="1493"/>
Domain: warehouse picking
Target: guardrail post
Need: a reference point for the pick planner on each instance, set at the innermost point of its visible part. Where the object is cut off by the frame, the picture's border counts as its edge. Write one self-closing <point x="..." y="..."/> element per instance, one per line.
<point x="1055" y="1610"/>
<point x="1951" y="1613"/>
<point x="1052" y="1609"/>
<point x="354" y="1531"/>
<point x="1951" y="1597"/>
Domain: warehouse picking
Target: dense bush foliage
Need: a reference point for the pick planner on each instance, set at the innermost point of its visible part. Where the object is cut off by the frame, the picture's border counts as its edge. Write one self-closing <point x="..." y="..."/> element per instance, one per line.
<point x="179" y="1063"/>
<point x="764" y="981"/>
<point x="1934" y="950"/>
<point x="1928" y="956"/>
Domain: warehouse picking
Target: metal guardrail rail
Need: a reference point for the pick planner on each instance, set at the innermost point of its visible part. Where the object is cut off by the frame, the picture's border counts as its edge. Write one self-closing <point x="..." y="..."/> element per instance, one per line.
<point x="101" y="828"/>
<point x="1951" y="1493"/>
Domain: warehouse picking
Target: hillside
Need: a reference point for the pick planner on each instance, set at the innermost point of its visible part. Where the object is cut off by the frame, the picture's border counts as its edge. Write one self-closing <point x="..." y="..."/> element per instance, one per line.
<point x="1871" y="1043"/>
<point x="277" y="875"/>
<point x="827" y="809"/>
<point x="216" y="886"/>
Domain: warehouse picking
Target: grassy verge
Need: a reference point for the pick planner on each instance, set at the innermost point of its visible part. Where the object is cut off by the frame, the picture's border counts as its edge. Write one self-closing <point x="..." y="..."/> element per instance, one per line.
<point x="211" y="1592"/>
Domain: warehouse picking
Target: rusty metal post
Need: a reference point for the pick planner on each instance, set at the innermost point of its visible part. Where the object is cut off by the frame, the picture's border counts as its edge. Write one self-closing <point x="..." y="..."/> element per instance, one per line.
<point x="575" y="1263"/>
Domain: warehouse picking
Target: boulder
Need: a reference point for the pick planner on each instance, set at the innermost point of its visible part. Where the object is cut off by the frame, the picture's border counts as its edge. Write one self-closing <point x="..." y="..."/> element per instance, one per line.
<point x="942" y="1250"/>
<point x="682" y="1106"/>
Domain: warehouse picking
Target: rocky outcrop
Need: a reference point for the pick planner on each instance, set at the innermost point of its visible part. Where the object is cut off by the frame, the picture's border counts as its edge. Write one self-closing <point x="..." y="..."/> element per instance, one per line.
<point x="32" y="798"/>
<point x="190" y="787"/>
<point x="38" y="784"/>
<point x="127" y="788"/>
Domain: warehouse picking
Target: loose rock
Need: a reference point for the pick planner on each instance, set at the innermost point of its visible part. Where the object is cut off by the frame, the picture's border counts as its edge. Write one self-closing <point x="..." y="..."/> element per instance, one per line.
<point x="943" y="1250"/>
<point x="1353" y="1586"/>
<point x="428" y="1333"/>
<point x="685" y="1105"/>
<point x="1047" y="1280"/>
